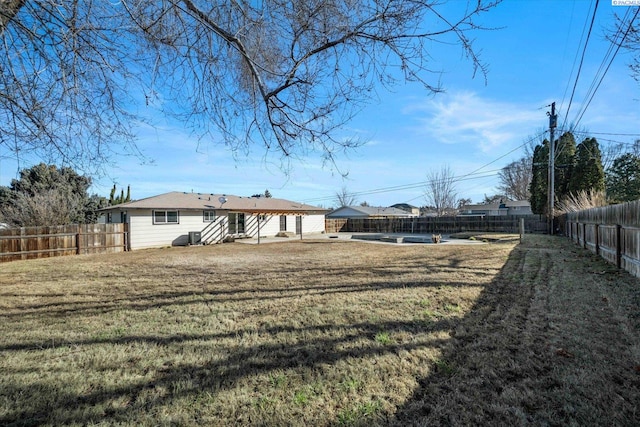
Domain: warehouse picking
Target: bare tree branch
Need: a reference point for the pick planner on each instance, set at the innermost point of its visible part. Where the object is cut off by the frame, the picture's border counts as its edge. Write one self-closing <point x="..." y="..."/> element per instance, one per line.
<point x="63" y="77"/>
<point x="345" y="198"/>
<point x="440" y="190"/>
<point x="626" y="34"/>
<point x="515" y="179"/>
<point x="281" y="74"/>
<point x="9" y="9"/>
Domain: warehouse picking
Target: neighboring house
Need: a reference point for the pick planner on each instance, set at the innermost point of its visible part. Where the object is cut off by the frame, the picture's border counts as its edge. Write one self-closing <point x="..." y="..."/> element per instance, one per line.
<point x="182" y="218"/>
<point x="414" y="210"/>
<point x="518" y="207"/>
<point x="368" y="212"/>
<point x="429" y="212"/>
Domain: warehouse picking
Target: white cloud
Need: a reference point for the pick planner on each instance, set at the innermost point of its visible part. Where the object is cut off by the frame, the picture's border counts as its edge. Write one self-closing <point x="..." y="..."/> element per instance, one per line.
<point x="466" y="118"/>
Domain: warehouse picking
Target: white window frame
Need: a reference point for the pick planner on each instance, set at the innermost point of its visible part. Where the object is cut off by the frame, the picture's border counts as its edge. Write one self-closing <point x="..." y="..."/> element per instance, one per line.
<point x="166" y="217"/>
<point x="208" y="216"/>
<point x="239" y="218"/>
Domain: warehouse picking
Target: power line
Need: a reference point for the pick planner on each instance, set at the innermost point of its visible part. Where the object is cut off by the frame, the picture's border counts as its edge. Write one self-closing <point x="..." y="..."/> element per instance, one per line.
<point x="575" y="58"/>
<point x="599" y="138"/>
<point x="609" y="134"/>
<point x="411" y="186"/>
<point x="475" y="174"/>
<point x="515" y="149"/>
<point x="566" y="43"/>
<point x="584" y="51"/>
<point x="618" y="45"/>
<point x="588" y="134"/>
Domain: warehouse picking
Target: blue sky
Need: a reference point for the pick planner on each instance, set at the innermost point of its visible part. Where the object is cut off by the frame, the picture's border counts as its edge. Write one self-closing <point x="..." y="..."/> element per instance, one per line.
<point x="473" y="128"/>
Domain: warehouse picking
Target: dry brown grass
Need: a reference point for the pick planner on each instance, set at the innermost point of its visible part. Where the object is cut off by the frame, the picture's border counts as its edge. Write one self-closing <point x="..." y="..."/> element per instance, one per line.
<point x="582" y="200"/>
<point x="320" y="333"/>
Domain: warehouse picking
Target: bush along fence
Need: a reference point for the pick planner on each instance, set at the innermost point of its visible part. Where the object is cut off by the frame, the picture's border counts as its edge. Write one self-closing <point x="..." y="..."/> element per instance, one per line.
<point x="613" y="232"/>
<point x="43" y="242"/>
<point x="443" y="225"/>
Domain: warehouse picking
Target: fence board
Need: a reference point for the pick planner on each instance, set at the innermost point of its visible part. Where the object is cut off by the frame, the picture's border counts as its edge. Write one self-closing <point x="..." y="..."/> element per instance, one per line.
<point x="613" y="232"/>
<point x="42" y="242"/>
<point x="443" y="225"/>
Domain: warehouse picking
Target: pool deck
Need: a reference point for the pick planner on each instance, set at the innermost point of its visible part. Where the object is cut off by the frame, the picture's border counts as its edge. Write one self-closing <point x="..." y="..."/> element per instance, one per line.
<point x="380" y="238"/>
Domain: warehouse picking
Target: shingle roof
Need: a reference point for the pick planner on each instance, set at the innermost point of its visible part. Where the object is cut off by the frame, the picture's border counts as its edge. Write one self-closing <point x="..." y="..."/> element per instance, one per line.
<point x="404" y="206"/>
<point x="514" y="203"/>
<point x="372" y="211"/>
<point x="496" y="206"/>
<point x="199" y="201"/>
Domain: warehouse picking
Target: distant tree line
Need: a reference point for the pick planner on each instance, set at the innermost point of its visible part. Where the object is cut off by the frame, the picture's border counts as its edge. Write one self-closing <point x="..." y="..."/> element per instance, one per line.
<point x="581" y="178"/>
<point x="266" y="194"/>
<point x="117" y="200"/>
<point x="47" y="195"/>
<point x="579" y="170"/>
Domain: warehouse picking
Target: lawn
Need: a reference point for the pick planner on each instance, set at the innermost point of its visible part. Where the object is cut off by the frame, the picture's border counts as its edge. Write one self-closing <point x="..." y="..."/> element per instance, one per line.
<point x="321" y="333"/>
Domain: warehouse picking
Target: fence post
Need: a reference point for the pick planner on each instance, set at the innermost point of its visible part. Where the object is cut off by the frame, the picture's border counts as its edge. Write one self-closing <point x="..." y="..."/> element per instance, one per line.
<point x="21" y="246"/>
<point x="125" y="236"/>
<point x="78" y="240"/>
<point x="597" y="237"/>
<point x="584" y="235"/>
<point x="521" y="228"/>
<point x="618" y="246"/>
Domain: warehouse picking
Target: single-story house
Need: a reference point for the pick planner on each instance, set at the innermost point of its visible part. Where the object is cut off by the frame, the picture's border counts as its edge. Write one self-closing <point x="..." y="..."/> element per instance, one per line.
<point x="407" y="208"/>
<point x="518" y="207"/>
<point x="178" y="218"/>
<point x="368" y="212"/>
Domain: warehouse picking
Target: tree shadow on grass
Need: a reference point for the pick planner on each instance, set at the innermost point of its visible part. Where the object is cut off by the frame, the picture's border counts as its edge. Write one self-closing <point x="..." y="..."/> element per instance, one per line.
<point x="208" y="286"/>
<point x="478" y="363"/>
<point x="146" y="301"/>
<point x="490" y="371"/>
<point x="46" y="402"/>
<point x="506" y="363"/>
<point x="212" y="377"/>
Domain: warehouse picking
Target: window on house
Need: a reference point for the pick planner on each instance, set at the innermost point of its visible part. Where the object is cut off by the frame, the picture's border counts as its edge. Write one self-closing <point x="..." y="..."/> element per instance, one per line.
<point x="208" y="216"/>
<point x="165" y="217"/>
<point x="283" y="223"/>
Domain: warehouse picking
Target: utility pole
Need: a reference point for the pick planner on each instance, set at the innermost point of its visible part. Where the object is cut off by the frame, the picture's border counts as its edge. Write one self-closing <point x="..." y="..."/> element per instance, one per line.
<point x="553" y="122"/>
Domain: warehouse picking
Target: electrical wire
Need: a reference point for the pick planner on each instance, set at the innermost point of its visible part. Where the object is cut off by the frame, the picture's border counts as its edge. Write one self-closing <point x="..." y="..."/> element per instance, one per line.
<point x="591" y="93"/>
<point x="475" y="174"/>
<point x="566" y="43"/>
<point x="616" y="43"/>
<point x="411" y="186"/>
<point x="636" y="135"/>
<point x="584" y="51"/>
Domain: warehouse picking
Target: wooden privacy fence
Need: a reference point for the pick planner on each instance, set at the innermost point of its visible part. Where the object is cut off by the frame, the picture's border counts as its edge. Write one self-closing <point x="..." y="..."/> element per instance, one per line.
<point x="613" y="232"/>
<point x="42" y="242"/>
<point x="446" y="225"/>
<point x="334" y="225"/>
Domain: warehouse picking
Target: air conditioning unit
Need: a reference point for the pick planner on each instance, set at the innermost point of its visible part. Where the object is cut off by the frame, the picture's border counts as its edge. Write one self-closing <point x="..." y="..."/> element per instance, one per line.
<point x="195" y="237"/>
